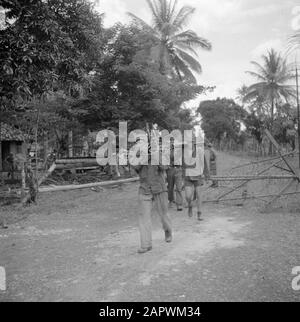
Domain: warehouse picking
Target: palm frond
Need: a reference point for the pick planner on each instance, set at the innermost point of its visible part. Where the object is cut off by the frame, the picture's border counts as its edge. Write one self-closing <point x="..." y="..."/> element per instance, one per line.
<point x="172" y="8"/>
<point x="175" y="51"/>
<point x="155" y="13"/>
<point x="287" y="91"/>
<point x="182" y="68"/>
<point x="183" y="46"/>
<point x="256" y="75"/>
<point x="260" y="68"/>
<point x="182" y="17"/>
<point x="190" y="38"/>
<point x="190" y="60"/>
<point x="163" y="10"/>
<point x="141" y="23"/>
<point x="273" y="74"/>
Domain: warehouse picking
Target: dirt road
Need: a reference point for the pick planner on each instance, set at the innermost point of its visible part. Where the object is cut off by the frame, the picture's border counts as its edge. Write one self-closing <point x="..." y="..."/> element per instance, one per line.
<point x="81" y="246"/>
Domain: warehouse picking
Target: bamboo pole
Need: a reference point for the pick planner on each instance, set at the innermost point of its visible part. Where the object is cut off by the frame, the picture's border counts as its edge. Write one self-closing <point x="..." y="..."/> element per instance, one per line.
<point x="76" y="161"/>
<point x="253" y="178"/>
<point x="298" y="109"/>
<point x="282" y="168"/>
<point x="251" y="197"/>
<point x="283" y="157"/>
<point x="244" y="183"/>
<point x="265" y="160"/>
<point x="89" y="185"/>
<point x="76" y="167"/>
<point x="280" y="193"/>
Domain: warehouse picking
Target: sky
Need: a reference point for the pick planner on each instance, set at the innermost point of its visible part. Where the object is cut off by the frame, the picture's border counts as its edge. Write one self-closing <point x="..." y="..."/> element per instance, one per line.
<point x="240" y="31"/>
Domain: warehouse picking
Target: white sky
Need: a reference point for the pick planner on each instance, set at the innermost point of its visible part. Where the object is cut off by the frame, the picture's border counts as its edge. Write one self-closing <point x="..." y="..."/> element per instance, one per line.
<point x="240" y="31"/>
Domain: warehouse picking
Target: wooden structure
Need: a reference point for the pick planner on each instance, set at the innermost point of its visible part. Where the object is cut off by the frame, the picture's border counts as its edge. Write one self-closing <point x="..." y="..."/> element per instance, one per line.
<point x="11" y="141"/>
<point x="291" y="173"/>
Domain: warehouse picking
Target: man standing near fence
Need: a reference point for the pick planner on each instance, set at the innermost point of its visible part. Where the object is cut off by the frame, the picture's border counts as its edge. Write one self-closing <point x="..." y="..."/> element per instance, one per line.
<point x="175" y="181"/>
<point x="212" y="157"/>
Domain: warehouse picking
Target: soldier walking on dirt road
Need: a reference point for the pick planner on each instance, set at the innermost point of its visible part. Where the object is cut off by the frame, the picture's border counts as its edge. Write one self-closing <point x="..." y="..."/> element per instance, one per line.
<point x="153" y="190"/>
<point x="175" y="182"/>
<point x="193" y="185"/>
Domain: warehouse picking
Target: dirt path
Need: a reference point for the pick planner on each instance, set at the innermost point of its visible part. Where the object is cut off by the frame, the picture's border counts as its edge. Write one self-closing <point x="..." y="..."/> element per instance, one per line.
<point x="84" y="249"/>
<point x="81" y="246"/>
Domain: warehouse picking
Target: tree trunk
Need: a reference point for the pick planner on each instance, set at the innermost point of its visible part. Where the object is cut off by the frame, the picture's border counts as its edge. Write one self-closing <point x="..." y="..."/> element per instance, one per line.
<point x="0" y="147"/>
<point x="36" y="141"/>
<point x="271" y="149"/>
<point x="23" y="175"/>
<point x="70" y="144"/>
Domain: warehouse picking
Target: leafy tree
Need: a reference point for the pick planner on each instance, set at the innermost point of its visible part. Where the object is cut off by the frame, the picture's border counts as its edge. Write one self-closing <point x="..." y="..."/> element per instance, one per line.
<point x="130" y="87"/>
<point x="221" y="118"/>
<point x="45" y="46"/>
<point x="175" y="47"/>
<point x="285" y="125"/>
<point x="255" y="126"/>
<point x="56" y="119"/>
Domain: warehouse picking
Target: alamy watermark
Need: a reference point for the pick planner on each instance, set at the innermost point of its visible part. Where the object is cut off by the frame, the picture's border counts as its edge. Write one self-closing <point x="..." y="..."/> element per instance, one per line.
<point x="296" y="280"/>
<point x="2" y="279"/>
<point x="156" y="148"/>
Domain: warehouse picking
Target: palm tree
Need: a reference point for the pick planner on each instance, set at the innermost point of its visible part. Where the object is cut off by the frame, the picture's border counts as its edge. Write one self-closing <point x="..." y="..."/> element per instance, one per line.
<point x="273" y="76"/>
<point x="272" y="87"/>
<point x="176" y="47"/>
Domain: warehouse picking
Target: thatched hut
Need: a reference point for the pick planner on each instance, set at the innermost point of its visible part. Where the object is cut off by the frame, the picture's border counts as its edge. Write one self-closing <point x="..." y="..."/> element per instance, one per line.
<point x="12" y="141"/>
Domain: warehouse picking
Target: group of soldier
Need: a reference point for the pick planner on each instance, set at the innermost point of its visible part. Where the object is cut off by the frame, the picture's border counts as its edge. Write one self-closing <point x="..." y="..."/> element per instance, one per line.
<point x="162" y="186"/>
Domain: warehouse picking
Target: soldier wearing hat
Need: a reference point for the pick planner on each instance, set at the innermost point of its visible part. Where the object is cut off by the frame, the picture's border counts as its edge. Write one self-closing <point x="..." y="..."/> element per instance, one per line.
<point x="175" y="182"/>
<point x="152" y="191"/>
<point x="212" y="157"/>
<point x="194" y="180"/>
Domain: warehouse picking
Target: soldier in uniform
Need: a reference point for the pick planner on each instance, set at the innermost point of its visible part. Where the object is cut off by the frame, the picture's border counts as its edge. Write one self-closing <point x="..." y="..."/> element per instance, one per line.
<point x="153" y="190"/>
<point x="212" y="164"/>
<point x="193" y="185"/>
<point x="175" y="180"/>
<point x="10" y="160"/>
<point x="31" y="183"/>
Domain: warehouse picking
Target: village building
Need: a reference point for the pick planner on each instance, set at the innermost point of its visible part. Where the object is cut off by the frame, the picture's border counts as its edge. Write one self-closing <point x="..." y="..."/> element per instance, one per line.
<point x="12" y="141"/>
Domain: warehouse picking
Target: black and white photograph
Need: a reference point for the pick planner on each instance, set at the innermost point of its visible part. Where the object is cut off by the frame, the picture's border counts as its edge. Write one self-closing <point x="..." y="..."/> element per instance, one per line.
<point x="149" y="153"/>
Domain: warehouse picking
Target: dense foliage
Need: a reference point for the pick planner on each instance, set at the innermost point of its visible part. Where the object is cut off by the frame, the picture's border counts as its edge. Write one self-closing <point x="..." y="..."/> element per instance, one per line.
<point x="221" y="118"/>
<point x="128" y="86"/>
<point x="47" y="45"/>
<point x="60" y="69"/>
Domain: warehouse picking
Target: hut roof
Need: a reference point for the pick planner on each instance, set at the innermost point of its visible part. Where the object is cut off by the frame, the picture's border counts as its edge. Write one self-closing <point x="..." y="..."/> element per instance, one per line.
<point x="10" y="133"/>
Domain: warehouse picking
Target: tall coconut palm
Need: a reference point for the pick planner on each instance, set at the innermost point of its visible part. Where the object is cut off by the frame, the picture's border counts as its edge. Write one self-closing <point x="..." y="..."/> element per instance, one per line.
<point x="272" y="87"/>
<point x="176" y="48"/>
<point x="273" y="77"/>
